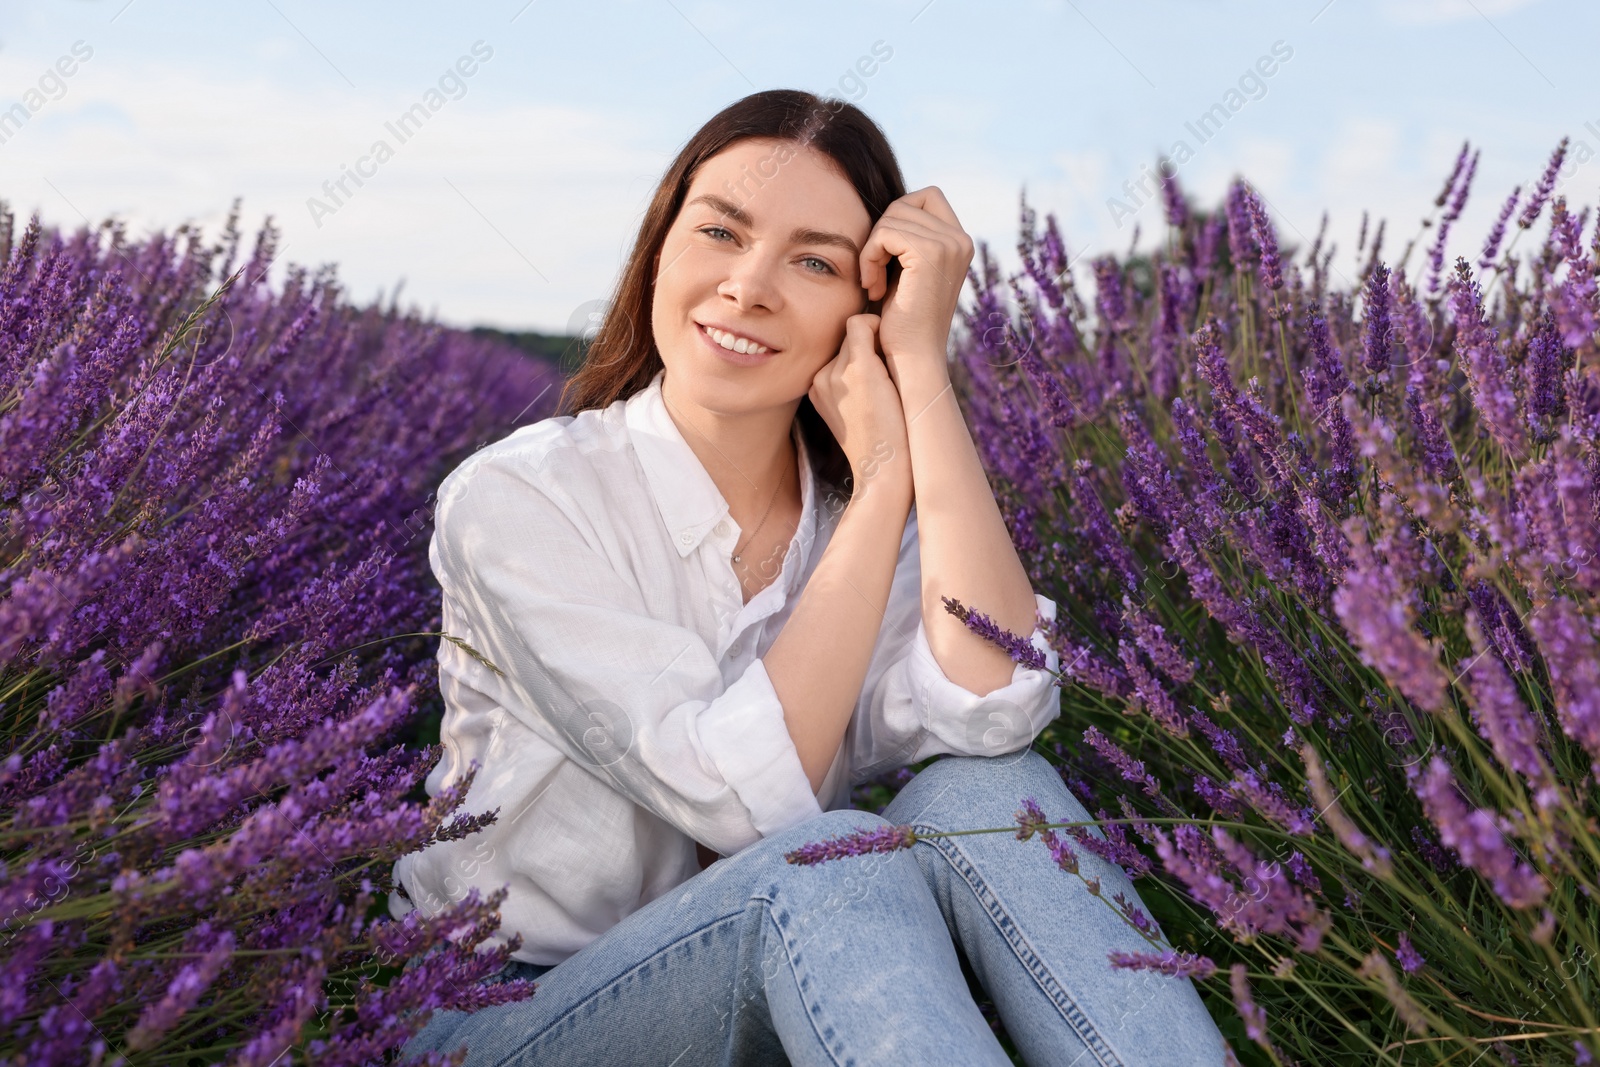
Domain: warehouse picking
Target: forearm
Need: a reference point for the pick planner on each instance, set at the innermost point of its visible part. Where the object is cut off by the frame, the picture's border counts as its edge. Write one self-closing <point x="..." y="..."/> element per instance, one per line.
<point x="819" y="661"/>
<point x="966" y="548"/>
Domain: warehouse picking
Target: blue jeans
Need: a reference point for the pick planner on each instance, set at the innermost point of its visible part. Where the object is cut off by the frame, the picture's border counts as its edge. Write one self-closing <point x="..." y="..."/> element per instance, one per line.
<point x="854" y="961"/>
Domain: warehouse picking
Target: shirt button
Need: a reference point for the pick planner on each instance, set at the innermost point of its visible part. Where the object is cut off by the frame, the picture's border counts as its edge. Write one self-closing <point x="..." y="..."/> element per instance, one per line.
<point x="722" y="528"/>
<point x="735" y="648"/>
<point x="686" y="537"/>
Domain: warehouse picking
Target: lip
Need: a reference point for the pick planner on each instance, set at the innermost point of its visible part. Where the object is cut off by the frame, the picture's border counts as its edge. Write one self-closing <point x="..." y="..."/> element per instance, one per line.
<point x="742" y="359"/>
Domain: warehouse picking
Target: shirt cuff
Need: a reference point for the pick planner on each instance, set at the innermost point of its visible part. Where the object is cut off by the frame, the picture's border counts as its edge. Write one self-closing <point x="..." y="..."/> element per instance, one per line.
<point x="1001" y="721"/>
<point x="745" y="737"/>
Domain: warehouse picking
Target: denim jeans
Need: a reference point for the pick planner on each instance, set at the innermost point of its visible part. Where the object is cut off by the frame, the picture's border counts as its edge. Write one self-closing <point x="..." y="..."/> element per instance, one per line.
<point x="854" y="961"/>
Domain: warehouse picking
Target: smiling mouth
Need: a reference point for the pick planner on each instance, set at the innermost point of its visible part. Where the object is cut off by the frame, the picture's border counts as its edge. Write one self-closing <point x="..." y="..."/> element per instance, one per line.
<point x="733" y="342"/>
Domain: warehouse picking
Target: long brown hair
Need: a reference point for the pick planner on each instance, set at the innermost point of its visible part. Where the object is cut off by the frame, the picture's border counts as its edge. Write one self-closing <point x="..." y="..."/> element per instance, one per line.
<point x="622" y="359"/>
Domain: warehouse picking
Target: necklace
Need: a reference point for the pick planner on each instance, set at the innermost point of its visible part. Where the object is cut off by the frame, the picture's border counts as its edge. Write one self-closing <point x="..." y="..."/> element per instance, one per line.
<point x="784" y="480"/>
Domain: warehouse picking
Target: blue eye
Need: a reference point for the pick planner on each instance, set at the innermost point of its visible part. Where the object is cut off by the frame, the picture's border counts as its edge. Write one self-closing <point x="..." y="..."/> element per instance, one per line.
<point x="709" y="230"/>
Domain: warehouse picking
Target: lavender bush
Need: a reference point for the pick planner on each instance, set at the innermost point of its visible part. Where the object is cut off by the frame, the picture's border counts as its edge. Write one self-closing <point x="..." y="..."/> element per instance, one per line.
<point x="1324" y="542"/>
<point x="214" y="648"/>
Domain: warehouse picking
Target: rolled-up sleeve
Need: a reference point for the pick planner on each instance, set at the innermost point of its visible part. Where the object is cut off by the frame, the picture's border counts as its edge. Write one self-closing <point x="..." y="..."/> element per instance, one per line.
<point x="637" y="701"/>
<point x="910" y="710"/>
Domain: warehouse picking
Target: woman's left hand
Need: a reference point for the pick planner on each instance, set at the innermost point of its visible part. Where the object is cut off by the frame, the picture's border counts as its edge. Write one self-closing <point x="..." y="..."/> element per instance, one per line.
<point x="934" y="252"/>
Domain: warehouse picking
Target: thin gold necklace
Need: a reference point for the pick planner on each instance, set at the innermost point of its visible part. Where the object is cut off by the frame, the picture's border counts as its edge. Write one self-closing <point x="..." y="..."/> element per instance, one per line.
<point x="781" y="482"/>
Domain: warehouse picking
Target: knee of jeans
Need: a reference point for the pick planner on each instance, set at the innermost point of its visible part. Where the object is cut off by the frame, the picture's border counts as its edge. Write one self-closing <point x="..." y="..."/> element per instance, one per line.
<point x="950" y="779"/>
<point x="829" y="826"/>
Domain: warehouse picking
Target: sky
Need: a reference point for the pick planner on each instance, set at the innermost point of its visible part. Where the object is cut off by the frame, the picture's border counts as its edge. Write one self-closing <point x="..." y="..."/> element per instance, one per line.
<point x="514" y="202"/>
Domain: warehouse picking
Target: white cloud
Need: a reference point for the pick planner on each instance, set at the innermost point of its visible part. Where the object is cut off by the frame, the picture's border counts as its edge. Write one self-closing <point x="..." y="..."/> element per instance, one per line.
<point x="561" y="184"/>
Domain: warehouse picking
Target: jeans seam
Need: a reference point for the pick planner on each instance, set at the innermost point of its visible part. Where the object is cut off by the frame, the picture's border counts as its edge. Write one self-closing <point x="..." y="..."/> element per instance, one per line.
<point x="800" y="989"/>
<point x="596" y="993"/>
<point x="1047" y="982"/>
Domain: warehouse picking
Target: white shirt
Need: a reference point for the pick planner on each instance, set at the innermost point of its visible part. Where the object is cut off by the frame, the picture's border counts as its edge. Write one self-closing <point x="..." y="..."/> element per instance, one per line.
<point x="589" y="558"/>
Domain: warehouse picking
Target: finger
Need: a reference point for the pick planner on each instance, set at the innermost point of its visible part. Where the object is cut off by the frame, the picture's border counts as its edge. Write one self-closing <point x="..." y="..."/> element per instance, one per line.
<point x="914" y="245"/>
<point x="888" y="240"/>
<point x="860" y="333"/>
<point x="932" y="222"/>
<point x="932" y="199"/>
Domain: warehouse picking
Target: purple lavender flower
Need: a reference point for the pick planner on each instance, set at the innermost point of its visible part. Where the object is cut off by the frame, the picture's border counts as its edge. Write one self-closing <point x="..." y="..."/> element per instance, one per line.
<point x="1370" y="606"/>
<point x="1485" y="364"/>
<point x="1150" y="695"/>
<point x="1378" y="337"/>
<point x="1547" y="359"/>
<point x="1458" y="200"/>
<point x="1241" y="225"/>
<point x="1172" y="198"/>
<point x="1255" y="1020"/>
<point x="859" y="843"/>
<point x="1573" y="657"/>
<point x="1171" y="962"/>
<point x="1266" y="241"/>
<point x="1455" y="172"/>
<point x="1406" y="955"/>
<point x="1497" y="232"/>
<point x="1501" y="717"/>
<point x="1438" y="454"/>
<point x="1019" y="648"/>
<point x="1109" y="298"/>
<point x="1476" y="837"/>
<point x="1547" y="182"/>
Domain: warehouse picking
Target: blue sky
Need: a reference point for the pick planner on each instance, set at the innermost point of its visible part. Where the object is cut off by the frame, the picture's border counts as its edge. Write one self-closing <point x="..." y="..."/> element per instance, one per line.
<point x="515" y="202"/>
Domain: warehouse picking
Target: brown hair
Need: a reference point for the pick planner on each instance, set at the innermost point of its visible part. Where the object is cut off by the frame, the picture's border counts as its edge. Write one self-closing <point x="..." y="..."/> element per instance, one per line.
<point x="622" y="359"/>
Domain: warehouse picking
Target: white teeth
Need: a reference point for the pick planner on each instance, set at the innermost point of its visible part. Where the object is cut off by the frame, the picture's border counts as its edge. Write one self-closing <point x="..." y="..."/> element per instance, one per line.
<point x="733" y="342"/>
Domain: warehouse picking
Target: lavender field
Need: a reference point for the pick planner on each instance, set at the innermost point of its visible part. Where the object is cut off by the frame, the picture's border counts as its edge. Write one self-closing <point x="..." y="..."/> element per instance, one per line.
<point x="216" y="649"/>
<point x="1324" y="540"/>
<point x="1321" y="526"/>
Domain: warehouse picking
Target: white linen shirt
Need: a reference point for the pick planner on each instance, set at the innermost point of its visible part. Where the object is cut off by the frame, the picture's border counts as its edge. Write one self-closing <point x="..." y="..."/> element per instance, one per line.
<point x="588" y="557"/>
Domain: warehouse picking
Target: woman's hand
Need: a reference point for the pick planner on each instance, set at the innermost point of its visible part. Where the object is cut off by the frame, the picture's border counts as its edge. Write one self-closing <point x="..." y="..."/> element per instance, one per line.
<point x="856" y="398"/>
<point x="934" y="252"/>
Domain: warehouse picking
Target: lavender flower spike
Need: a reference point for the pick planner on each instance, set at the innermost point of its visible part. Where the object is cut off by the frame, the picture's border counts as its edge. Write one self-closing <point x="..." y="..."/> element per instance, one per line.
<point x="1020" y="648"/>
<point x="1379" y="334"/>
<point x="1172" y="963"/>
<point x="883" y="839"/>
<point x="1547" y="182"/>
<point x="1266" y="241"/>
<point x="1476" y="836"/>
<point x="1406" y="954"/>
<point x="1497" y="233"/>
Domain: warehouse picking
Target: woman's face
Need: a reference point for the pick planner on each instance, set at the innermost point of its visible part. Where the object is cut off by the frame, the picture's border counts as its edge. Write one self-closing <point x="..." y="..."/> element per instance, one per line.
<point x="766" y="246"/>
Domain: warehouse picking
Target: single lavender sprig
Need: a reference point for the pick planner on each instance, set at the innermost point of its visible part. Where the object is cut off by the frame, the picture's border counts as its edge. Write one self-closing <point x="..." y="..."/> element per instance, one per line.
<point x="1020" y="649"/>
<point x="1266" y="241"/>
<point x="1547" y="182"/>
<point x="1476" y="836"/>
<point x="859" y="843"/>
<point x="1497" y="232"/>
<point x="1255" y="1020"/>
<point x="1458" y="200"/>
<point x="1172" y="963"/>
<point x="1406" y="954"/>
<point x="1177" y="209"/>
<point x="1378" y="331"/>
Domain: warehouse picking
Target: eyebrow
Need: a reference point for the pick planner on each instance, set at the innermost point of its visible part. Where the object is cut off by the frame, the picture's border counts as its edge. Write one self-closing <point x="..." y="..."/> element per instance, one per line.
<point x="800" y="235"/>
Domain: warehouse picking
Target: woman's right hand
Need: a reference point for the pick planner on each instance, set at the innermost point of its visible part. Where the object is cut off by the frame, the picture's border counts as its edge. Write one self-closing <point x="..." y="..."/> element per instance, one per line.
<point x="857" y="399"/>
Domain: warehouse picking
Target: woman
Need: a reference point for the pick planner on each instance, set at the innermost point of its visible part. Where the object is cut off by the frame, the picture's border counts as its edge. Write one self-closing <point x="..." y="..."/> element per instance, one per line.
<point x="712" y="608"/>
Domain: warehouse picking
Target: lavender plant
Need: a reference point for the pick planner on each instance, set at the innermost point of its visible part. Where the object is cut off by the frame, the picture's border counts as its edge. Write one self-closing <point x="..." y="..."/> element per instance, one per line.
<point x="214" y="653"/>
<point x="1323" y="539"/>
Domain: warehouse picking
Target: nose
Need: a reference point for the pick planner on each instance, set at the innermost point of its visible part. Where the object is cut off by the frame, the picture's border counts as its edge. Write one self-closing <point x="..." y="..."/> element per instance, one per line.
<point x="752" y="281"/>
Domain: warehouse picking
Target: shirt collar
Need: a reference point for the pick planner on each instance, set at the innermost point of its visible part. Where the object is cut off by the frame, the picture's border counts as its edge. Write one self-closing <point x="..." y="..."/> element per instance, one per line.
<point x="689" y="501"/>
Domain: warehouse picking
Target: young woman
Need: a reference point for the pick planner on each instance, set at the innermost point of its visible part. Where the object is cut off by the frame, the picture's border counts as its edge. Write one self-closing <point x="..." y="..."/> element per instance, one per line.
<point x="711" y="608"/>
